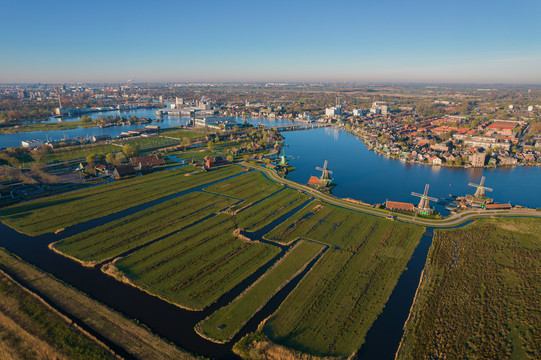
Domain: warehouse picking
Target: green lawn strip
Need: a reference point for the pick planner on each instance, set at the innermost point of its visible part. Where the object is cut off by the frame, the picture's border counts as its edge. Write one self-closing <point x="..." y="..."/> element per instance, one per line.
<point x="182" y="133"/>
<point x="46" y="127"/>
<point x="40" y="323"/>
<point x="79" y="152"/>
<point x="125" y="333"/>
<point x="251" y="187"/>
<point x="196" y="266"/>
<point x="479" y="296"/>
<point x="119" y="236"/>
<point x="82" y="205"/>
<point x="334" y="306"/>
<point x="222" y="325"/>
<point x="255" y="217"/>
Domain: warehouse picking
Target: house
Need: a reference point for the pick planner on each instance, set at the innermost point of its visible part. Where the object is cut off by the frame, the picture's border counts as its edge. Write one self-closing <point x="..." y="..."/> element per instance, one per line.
<point x="314" y="181"/>
<point x="106" y="169"/>
<point x="124" y="171"/>
<point x="210" y="162"/>
<point x="497" y="206"/>
<point x="399" y="206"/>
<point x="146" y="162"/>
<point x="435" y="160"/>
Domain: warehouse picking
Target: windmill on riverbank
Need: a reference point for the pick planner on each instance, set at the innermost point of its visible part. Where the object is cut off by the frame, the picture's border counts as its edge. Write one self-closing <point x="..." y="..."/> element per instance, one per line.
<point x="324" y="181"/>
<point x="424" y="205"/>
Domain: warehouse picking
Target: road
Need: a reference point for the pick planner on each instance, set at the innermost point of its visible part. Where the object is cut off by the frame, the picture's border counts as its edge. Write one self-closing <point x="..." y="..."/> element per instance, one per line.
<point x="450" y="221"/>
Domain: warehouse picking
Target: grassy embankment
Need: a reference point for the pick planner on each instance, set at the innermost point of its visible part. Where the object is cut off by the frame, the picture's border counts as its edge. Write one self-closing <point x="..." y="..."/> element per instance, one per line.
<point x="33" y="320"/>
<point x="51" y="213"/>
<point x="225" y="323"/>
<point x="119" y="236"/>
<point x="194" y="267"/>
<point x="335" y="304"/>
<point x="479" y="297"/>
<point x="250" y="187"/>
<point x="69" y="125"/>
<point x="29" y="329"/>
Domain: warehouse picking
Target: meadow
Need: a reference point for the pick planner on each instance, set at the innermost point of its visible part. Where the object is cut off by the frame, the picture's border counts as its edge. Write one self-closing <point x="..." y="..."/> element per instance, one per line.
<point x="226" y="322"/>
<point x="196" y="266"/>
<point x="86" y="204"/>
<point x="479" y="295"/>
<point x="117" y="237"/>
<point x="336" y="303"/>
<point x="250" y="187"/>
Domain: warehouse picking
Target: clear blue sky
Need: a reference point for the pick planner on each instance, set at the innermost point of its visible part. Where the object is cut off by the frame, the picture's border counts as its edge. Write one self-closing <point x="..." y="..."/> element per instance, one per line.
<point x="379" y="40"/>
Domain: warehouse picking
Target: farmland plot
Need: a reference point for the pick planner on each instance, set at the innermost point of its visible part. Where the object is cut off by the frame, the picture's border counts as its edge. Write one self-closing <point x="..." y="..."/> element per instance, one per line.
<point x="194" y="267"/>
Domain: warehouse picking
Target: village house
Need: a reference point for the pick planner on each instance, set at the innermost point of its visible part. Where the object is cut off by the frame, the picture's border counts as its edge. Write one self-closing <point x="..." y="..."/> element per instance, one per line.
<point x="124" y="171"/>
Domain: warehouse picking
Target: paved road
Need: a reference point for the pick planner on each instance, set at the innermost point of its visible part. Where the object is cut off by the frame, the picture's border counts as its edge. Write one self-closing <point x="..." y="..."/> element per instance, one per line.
<point x="452" y="220"/>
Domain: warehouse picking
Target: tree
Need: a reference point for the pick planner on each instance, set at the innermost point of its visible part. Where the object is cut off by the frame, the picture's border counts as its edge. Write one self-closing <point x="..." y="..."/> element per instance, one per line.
<point x="110" y="158"/>
<point x="129" y="150"/>
<point x="229" y="158"/>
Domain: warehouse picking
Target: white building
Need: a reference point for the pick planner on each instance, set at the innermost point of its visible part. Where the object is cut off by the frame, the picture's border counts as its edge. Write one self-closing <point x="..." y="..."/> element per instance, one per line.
<point x="359" y="112"/>
<point x="334" y="111"/>
<point x="379" y="107"/>
<point x="530" y="108"/>
<point x="31" y="143"/>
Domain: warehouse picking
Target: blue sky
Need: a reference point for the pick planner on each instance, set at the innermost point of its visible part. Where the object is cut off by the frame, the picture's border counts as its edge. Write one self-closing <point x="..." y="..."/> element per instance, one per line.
<point x="386" y="40"/>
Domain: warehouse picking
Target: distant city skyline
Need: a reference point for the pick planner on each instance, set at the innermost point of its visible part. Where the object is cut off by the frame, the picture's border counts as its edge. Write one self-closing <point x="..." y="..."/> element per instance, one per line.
<point x="280" y="41"/>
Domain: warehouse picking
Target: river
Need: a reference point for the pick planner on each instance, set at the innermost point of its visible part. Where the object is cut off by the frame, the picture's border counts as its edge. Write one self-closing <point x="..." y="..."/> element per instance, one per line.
<point x="362" y="174"/>
<point x="14" y="140"/>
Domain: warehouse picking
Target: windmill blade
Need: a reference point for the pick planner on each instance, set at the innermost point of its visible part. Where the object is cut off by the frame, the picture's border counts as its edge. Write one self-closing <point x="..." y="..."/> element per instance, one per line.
<point x="482" y="181"/>
<point x="488" y="189"/>
<point x="416" y="194"/>
<point x="426" y="189"/>
<point x="320" y="169"/>
<point x="432" y="199"/>
<point x="325" y="165"/>
<point x="329" y="171"/>
<point x="474" y="185"/>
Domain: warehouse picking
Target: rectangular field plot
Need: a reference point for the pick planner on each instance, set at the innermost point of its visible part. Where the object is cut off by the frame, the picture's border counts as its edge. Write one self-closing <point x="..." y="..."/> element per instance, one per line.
<point x="334" y="306"/>
<point x="250" y="187"/>
<point x="255" y="217"/>
<point x="51" y="213"/>
<point x="194" y="267"/>
<point x="479" y="296"/>
<point x="117" y="237"/>
<point x="227" y="321"/>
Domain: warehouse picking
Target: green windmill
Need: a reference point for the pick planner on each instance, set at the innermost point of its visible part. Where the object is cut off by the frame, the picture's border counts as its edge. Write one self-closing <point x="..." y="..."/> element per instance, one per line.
<point x="283" y="159"/>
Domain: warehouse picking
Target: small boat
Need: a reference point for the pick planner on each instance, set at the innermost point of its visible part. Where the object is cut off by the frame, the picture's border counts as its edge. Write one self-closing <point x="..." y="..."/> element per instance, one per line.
<point x="59" y="230"/>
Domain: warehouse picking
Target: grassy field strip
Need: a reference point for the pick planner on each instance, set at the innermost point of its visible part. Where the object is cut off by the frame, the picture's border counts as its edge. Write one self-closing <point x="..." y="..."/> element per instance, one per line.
<point x="255" y="217"/>
<point x="335" y="304"/>
<point x="479" y="296"/>
<point x="250" y="187"/>
<point x="32" y="329"/>
<point x="83" y="205"/>
<point x="134" y="339"/>
<point x="196" y="266"/>
<point x="225" y="323"/>
<point x="117" y="237"/>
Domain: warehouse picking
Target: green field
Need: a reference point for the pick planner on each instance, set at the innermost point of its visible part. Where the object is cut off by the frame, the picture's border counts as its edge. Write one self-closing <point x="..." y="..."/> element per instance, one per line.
<point x="119" y="236"/>
<point x="228" y="321"/>
<point x="334" y="306"/>
<point x="82" y="205"/>
<point x="79" y="152"/>
<point x="194" y="267"/>
<point x="250" y="187"/>
<point x="480" y="294"/>
<point x="255" y="217"/>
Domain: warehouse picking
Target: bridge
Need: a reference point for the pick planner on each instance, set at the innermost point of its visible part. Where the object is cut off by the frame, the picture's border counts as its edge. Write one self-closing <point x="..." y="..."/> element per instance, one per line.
<point x="294" y="127"/>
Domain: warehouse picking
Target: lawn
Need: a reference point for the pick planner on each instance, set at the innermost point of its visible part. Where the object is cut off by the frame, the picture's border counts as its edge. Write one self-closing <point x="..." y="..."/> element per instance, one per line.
<point x="479" y="297"/>
<point x="229" y="320"/>
<point x="196" y="266"/>
<point x="49" y="214"/>
<point x="119" y="236"/>
<point x="336" y="303"/>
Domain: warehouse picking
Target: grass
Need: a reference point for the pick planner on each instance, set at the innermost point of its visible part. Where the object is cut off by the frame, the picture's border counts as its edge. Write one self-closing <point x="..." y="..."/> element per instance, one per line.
<point x="113" y="326"/>
<point x="196" y="266"/>
<point x="82" y="205"/>
<point x="228" y="321"/>
<point x="334" y="306"/>
<point x="119" y="236"/>
<point x="260" y="214"/>
<point x="79" y="152"/>
<point x="29" y="329"/>
<point x="479" y="294"/>
<point x="250" y="187"/>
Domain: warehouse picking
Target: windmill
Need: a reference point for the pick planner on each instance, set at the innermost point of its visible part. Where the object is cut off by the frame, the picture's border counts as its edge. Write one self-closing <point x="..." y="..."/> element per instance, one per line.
<point x="283" y="159"/>
<point x="424" y="205"/>
<point x="325" y="178"/>
<point x="481" y="188"/>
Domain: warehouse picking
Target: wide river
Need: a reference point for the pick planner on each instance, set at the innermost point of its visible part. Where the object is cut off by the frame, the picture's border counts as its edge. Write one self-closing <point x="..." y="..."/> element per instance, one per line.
<point x="359" y="173"/>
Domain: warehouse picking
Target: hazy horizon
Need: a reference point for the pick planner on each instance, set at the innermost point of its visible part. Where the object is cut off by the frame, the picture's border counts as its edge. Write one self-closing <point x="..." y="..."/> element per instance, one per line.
<point x="241" y="41"/>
